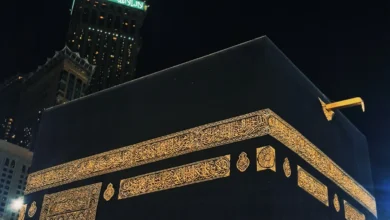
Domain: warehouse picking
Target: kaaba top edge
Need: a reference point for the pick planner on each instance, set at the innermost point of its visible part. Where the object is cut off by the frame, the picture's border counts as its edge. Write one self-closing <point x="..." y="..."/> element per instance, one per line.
<point x="313" y="87"/>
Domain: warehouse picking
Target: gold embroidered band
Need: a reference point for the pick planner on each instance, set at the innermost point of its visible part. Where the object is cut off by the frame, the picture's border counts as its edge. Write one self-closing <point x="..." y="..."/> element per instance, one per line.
<point x="252" y="125"/>
<point x="175" y="177"/>
<point x="77" y="203"/>
<point x="351" y="213"/>
<point x="312" y="186"/>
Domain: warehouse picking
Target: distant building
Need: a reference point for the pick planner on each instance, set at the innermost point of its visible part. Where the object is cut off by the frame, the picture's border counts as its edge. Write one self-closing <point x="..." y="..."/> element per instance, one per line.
<point x="14" y="163"/>
<point x="107" y="33"/>
<point x="10" y="92"/>
<point x="62" y="78"/>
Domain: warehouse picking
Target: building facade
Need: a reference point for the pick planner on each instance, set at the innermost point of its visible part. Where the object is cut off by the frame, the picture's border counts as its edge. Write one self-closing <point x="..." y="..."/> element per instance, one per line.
<point x="10" y="92"/>
<point x="63" y="78"/>
<point x="14" y="163"/>
<point x="107" y="34"/>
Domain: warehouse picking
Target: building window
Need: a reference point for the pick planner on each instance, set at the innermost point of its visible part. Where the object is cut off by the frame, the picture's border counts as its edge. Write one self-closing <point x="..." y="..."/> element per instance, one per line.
<point x="13" y="164"/>
<point x="8" y="182"/>
<point x="5" y="193"/>
<point x="24" y="168"/>
<point x="85" y="15"/>
<point x="9" y="177"/>
<point x="21" y="176"/>
<point x="19" y="187"/>
<point x="69" y="92"/>
<point x="77" y="89"/>
<point x="3" y="174"/>
<point x="6" y="162"/>
<point x="20" y="181"/>
<point x="109" y="21"/>
<point x="117" y="23"/>
<point x="5" y="169"/>
<point x="2" y="180"/>
<point x="10" y="171"/>
<point x="101" y="20"/>
<point x="64" y="76"/>
<point x="6" y="187"/>
<point x="93" y="17"/>
<point x="132" y="27"/>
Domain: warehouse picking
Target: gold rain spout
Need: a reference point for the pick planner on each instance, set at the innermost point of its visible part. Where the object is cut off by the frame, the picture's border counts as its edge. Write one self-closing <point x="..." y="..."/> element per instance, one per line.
<point x="329" y="108"/>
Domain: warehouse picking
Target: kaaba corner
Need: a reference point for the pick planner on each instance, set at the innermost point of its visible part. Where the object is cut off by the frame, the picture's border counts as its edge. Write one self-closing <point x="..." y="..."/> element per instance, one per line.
<point x="237" y="134"/>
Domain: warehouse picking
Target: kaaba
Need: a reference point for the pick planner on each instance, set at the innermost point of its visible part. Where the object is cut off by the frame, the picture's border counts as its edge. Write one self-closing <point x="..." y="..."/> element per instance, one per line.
<point x="237" y="134"/>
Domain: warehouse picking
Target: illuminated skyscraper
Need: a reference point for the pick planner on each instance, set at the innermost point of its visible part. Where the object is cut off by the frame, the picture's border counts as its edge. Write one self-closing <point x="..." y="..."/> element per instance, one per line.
<point x="107" y="33"/>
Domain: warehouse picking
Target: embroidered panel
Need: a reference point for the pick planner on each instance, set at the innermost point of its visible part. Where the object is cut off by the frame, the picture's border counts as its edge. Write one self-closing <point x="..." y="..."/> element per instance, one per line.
<point x="175" y="177"/>
<point x="312" y="186"/>
<point x="336" y="203"/>
<point x="351" y="213"/>
<point x="266" y="158"/>
<point x="22" y="212"/>
<point x="32" y="210"/>
<point x="109" y="192"/>
<point x="286" y="167"/>
<point x="78" y="203"/>
<point x="252" y="125"/>
<point x="243" y="162"/>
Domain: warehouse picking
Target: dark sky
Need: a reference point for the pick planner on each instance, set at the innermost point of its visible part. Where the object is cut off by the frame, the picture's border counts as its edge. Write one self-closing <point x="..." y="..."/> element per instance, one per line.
<point x="343" y="47"/>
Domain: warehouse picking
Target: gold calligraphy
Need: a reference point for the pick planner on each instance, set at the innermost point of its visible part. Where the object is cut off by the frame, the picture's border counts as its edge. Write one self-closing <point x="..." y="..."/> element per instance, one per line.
<point x="175" y="177"/>
<point x="312" y="186"/>
<point x="22" y="212"/>
<point x="336" y="203"/>
<point x="78" y="203"/>
<point x="351" y="213"/>
<point x="266" y="158"/>
<point x="32" y="210"/>
<point x="109" y="192"/>
<point x="252" y="125"/>
<point x="243" y="162"/>
<point x="286" y="167"/>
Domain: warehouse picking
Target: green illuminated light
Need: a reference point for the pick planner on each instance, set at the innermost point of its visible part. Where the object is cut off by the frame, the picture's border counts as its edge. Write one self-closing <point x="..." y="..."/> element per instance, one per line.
<point x="131" y="3"/>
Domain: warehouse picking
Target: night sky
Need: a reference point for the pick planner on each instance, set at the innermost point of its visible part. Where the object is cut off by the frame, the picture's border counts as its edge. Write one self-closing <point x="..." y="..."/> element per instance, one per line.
<point x="343" y="47"/>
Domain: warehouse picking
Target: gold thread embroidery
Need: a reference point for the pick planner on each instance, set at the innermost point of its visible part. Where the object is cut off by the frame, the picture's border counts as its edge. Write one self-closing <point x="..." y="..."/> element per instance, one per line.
<point x="351" y="213"/>
<point x="77" y="203"/>
<point x="313" y="186"/>
<point x="109" y="192"/>
<point x="32" y="210"/>
<point x="243" y="162"/>
<point x="295" y="141"/>
<point x="175" y="177"/>
<point x="22" y="212"/>
<point x="266" y="158"/>
<point x="286" y="167"/>
<point x="252" y="125"/>
<point x="336" y="203"/>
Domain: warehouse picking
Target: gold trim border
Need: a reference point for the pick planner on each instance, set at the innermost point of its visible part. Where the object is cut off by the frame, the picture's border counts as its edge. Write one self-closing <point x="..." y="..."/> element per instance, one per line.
<point x="188" y="174"/>
<point x="248" y="126"/>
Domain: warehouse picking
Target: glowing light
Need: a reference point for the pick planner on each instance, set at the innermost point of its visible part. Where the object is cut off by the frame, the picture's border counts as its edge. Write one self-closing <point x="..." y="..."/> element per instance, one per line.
<point x="16" y="204"/>
<point x="131" y="3"/>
